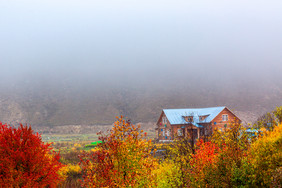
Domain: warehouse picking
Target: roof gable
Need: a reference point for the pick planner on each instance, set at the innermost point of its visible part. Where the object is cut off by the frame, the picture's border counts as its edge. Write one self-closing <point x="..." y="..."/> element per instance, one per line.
<point x="176" y="116"/>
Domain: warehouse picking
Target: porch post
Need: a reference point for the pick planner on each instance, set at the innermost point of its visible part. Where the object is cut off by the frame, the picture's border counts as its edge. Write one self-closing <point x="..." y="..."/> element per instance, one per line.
<point x="198" y="130"/>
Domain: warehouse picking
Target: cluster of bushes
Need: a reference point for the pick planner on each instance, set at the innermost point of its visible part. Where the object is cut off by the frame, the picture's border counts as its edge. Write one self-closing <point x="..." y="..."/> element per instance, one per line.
<point x="229" y="159"/>
<point x="124" y="158"/>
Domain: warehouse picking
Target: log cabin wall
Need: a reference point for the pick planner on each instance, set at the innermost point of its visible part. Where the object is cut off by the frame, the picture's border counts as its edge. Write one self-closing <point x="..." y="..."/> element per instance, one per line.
<point x="165" y="131"/>
<point x="219" y="121"/>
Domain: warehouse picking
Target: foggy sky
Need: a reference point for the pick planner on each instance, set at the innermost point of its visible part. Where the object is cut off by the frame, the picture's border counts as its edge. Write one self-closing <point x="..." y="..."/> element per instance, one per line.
<point x="140" y="42"/>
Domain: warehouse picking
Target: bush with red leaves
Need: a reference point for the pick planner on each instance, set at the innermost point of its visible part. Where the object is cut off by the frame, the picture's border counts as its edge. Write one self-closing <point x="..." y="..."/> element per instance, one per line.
<point x="25" y="161"/>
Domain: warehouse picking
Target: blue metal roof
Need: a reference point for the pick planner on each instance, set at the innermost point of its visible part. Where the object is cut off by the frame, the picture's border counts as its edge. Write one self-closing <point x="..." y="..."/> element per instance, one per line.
<point x="252" y="131"/>
<point x="176" y="116"/>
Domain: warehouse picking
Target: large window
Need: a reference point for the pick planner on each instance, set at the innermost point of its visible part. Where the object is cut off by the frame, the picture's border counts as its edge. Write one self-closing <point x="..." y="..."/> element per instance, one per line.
<point x="179" y="132"/>
<point x="225" y="117"/>
<point x="168" y="133"/>
<point x="164" y="120"/>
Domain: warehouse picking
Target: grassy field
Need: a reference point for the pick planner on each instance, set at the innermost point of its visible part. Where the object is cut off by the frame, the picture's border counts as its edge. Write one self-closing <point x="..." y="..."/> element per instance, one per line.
<point x="80" y="137"/>
<point x="67" y="142"/>
<point x="69" y="137"/>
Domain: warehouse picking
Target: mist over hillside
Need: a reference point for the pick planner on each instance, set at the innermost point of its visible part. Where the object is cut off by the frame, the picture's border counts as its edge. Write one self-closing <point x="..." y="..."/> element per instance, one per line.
<point x="78" y="102"/>
<point x="85" y="62"/>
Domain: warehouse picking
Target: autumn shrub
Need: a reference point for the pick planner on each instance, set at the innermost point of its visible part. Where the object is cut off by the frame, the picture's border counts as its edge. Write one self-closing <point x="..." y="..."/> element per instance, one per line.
<point x="264" y="160"/>
<point x="71" y="174"/>
<point x="214" y="161"/>
<point x="25" y="161"/>
<point x="277" y="178"/>
<point x="234" y="144"/>
<point x="168" y="174"/>
<point x="231" y="160"/>
<point x="180" y="152"/>
<point x="70" y="157"/>
<point x="123" y="160"/>
<point x="202" y="162"/>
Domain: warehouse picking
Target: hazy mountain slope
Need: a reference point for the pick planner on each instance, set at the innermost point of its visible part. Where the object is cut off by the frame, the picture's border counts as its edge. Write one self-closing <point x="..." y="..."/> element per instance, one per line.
<point x="53" y="105"/>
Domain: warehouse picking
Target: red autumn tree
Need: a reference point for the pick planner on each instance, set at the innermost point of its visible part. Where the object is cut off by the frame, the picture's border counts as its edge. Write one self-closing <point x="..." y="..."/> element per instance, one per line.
<point x="215" y="163"/>
<point x="203" y="159"/>
<point x="25" y="161"/>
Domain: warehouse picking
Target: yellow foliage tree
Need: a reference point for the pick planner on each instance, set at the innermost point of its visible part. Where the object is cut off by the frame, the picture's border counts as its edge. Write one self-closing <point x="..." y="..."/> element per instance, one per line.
<point x="123" y="160"/>
<point x="265" y="157"/>
<point x="168" y="174"/>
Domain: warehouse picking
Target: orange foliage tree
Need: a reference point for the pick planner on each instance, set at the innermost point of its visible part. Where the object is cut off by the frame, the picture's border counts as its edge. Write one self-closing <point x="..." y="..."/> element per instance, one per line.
<point x="202" y="161"/>
<point x="214" y="162"/>
<point x="25" y="161"/>
<point x="122" y="160"/>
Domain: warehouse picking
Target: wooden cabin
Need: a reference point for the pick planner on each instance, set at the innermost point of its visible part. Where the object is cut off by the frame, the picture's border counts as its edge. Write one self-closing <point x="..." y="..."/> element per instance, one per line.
<point x="193" y="122"/>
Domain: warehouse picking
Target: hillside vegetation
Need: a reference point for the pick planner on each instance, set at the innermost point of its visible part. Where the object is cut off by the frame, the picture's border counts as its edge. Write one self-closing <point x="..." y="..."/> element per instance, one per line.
<point x="60" y="104"/>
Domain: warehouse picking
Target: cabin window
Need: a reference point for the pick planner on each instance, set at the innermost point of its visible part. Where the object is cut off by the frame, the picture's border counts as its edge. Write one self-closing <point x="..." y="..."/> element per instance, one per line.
<point x="179" y="132"/>
<point x="207" y="131"/>
<point x="202" y="132"/>
<point x="202" y="118"/>
<point x="188" y="118"/>
<point x="168" y="132"/>
<point x="225" y="117"/>
<point x="164" y="120"/>
<point x="163" y="132"/>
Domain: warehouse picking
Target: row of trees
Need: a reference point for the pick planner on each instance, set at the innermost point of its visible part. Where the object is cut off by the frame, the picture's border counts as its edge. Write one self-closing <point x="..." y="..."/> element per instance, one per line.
<point x="231" y="158"/>
<point x="269" y="119"/>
